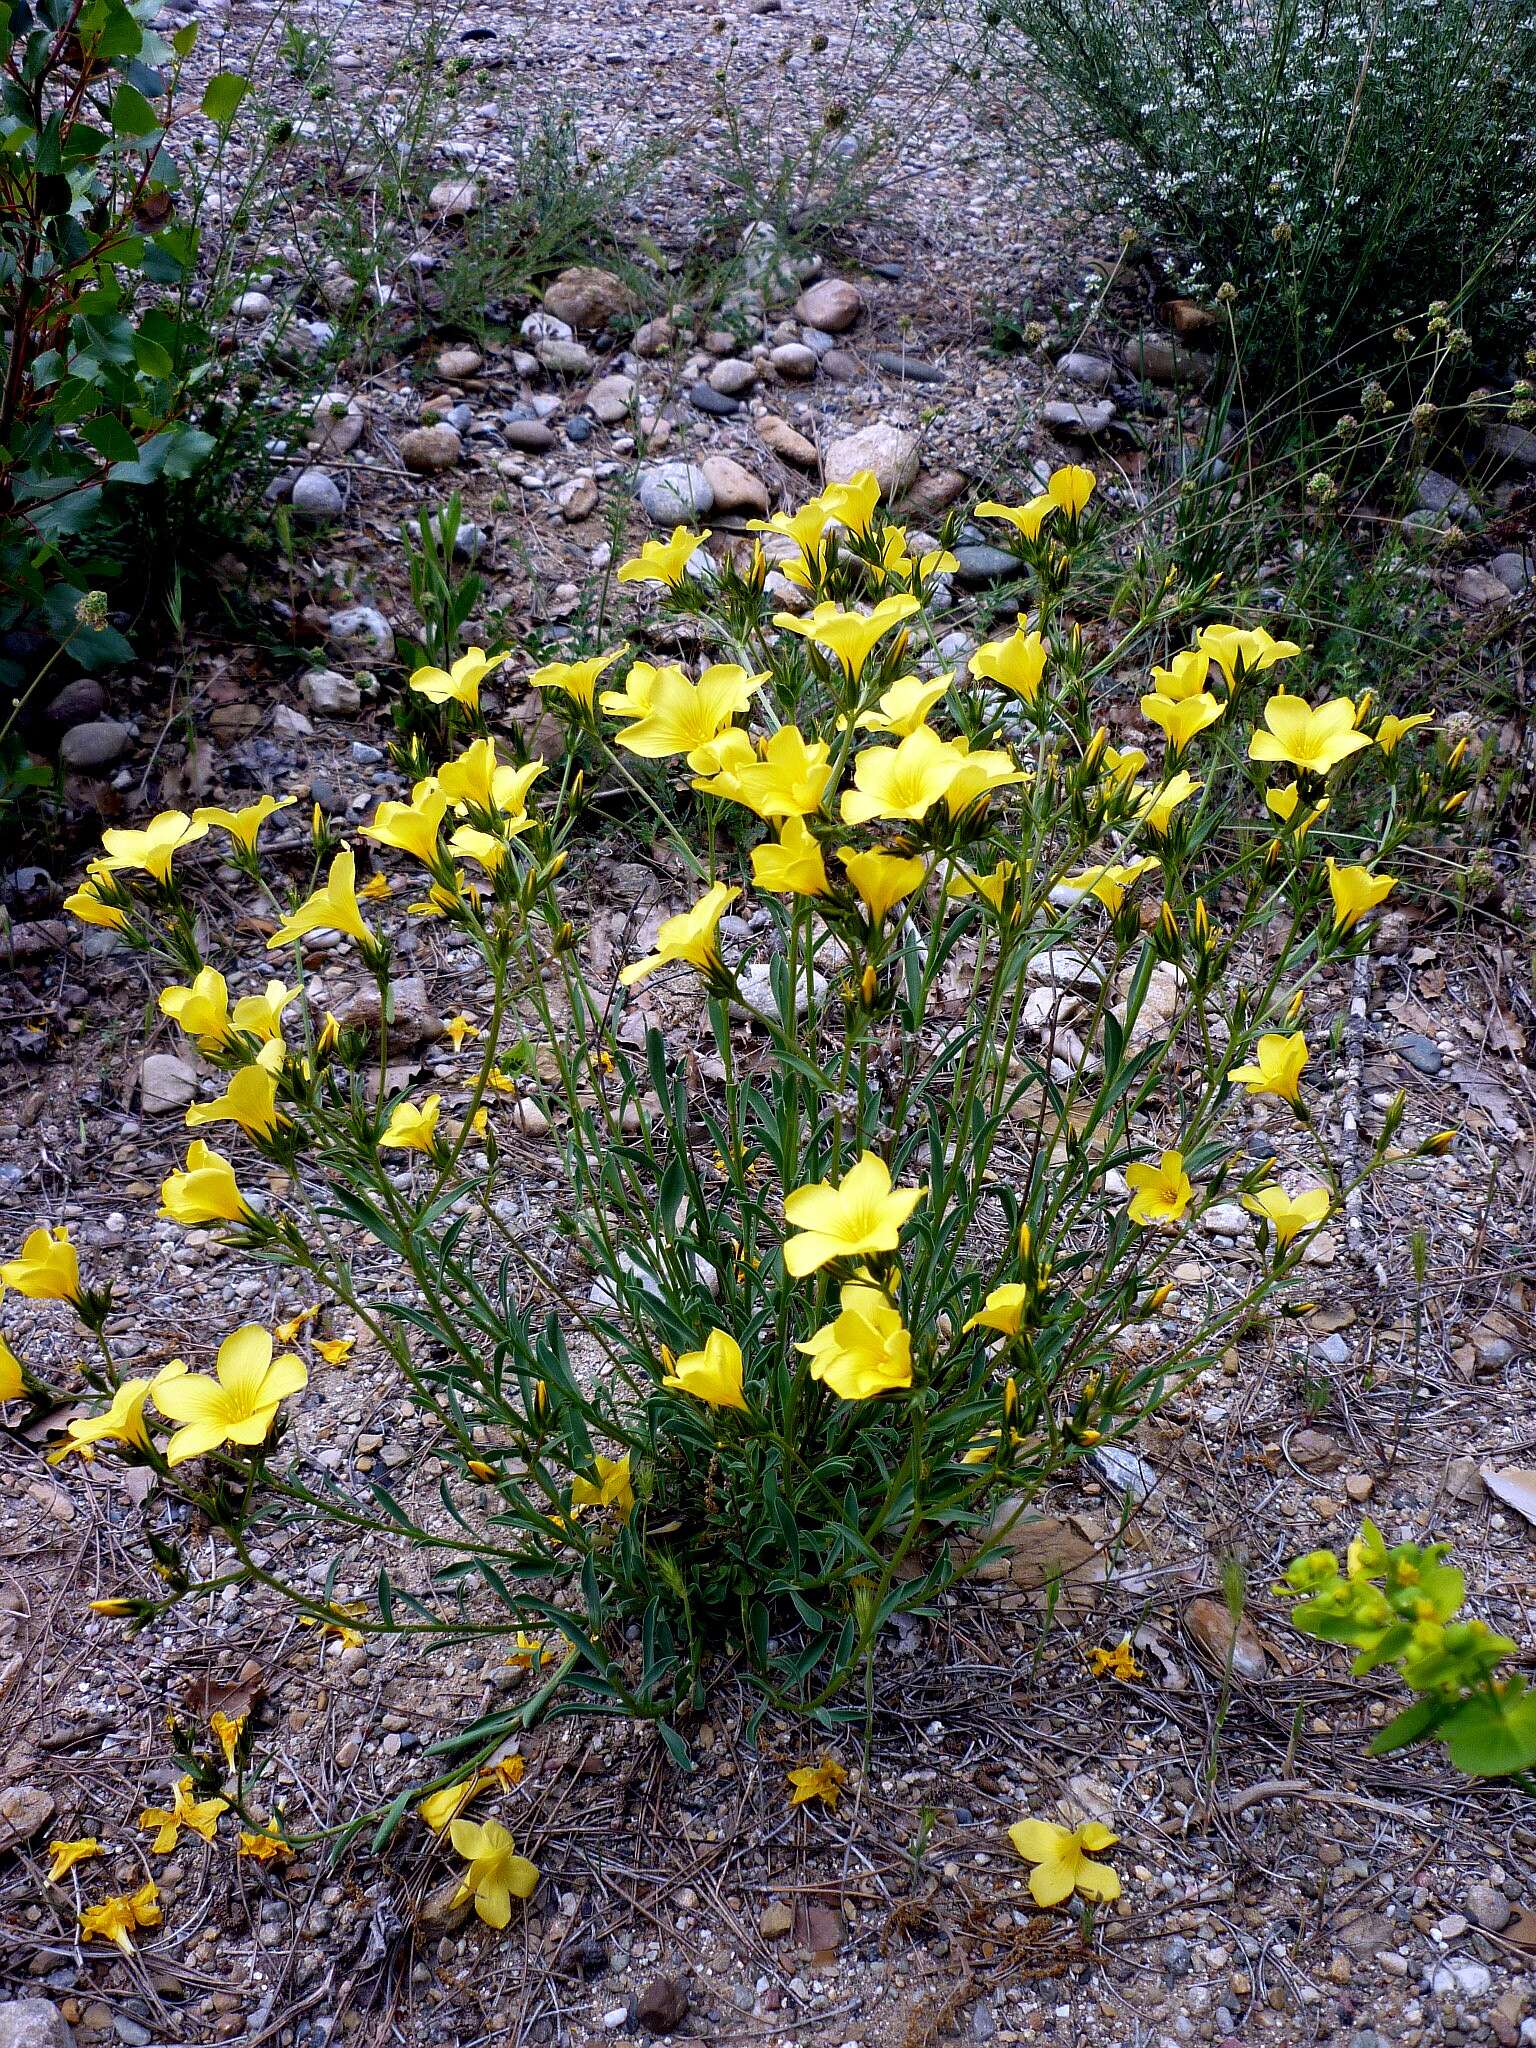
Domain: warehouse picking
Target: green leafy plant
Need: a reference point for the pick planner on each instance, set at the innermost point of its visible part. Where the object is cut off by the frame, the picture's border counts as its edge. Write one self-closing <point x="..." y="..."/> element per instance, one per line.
<point x="1397" y="1608"/>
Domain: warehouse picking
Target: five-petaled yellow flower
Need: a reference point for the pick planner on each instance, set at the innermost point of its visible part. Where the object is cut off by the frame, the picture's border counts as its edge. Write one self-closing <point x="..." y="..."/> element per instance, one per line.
<point x="86" y="902"/>
<point x="118" y="1919"/>
<point x="1243" y="650"/>
<point x="1181" y="718"/>
<point x="411" y="1129"/>
<point x="250" y="1101"/>
<point x="1071" y="487"/>
<point x="681" y="717"/>
<point x="903" y="782"/>
<point x="1063" y="1860"/>
<point x="577" y="680"/>
<point x="1156" y="808"/>
<point x="1355" y="891"/>
<point x="152" y="849"/>
<point x="496" y="1875"/>
<point x="120" y="1422"/>
<point x="238" y="1405"/>
<point x="1003" y="1309"/>
<point x="201" y="1011"/>
<point x="712" y="1375"/>
<point x="200" y="1815"/>
<point x="859" y="1216"/>
<point x="331" y="909"/>
<point x="47" y="1269"/>
<point x="1161" y="1193"/>
<point x="1185" y="675"/>
<point x="689" y="940"/>
<point x="1279" y="1058"/>
<point x="610" y="1489"/>
<point x="791" y="865"/>
<point x="242" y="826"/>
<point x="411" y="828"/>
<point x="1288" y="1215"/>
<point x="865" y="1350"/>
<point x="883" y="879"/>
<point x="823" y="1781"/>
<point x="905" y="705"/>
<point x="1392" y="728"/>
<point x="1018" y="663"/>
<point x="461" y="683"/>
<point x="1314" y="742"/>
<point x="851" y="637"/>
<point x="1118" y="1663"/>
<point x="1026" y="519"/>
<point x="664" y="561"/>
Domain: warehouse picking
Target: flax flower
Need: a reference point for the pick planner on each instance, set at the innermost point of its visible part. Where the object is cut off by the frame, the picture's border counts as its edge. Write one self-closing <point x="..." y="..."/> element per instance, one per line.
<point x="461" y="683"/>
<point x="12" y="1384"/>
<point x="238" y="1405"/>
<point x="1003" y="1309"/>
<point x="411" y="1129"/>
<point x="1161" y="1193"/>
<point x="1288" y="1215"/>
<point x="610" y="1489"/>
<point x="1392" y="728"/>
<point x="791" y="865"/>
<point x="664" y="561"/>
<point x="823" y="1781"/>
<point x="1279" y="1058"/>
<point x="851" y="504"/>
<point x="1025" y="520"/>
<point x="1355" y="891"/>
<point x="121" y="1422"/>
<point x="680" y="717"/>
<point x="244" y="825"/>
<point x="905" y="705"/>
<point x="1315" y="742"/>
<point x="1071" y="487"/>
<point x="979" y="773"/>
<point x="688" y="940"/>
<point x="903" y="782"/>
<point x="152" y="849"/>
<point x="1181" y="718"/>
<point x="789" y="781"/>
<point x="496" y="1875"/>
<point x="331" y="909"/>
<point x="883" y="879"/>
<point x="577" y="680"/>
<point x="864" y="1351"/>
<point x="47" y="1268"/>
<point x="1156" y="807"/>
<point x="1017" y="663"/>
<point x="86" y="902"/>
<point x="1185" y="675"/>
<point x="118" y="1919"/>
<point x="1063" y="1860"/>
<point x="851" y="637"/>
<point x="712" y="1375"/>
<point x="201" y="1011"/>
<point x="1111" y="883"/>
<point x="411" y="828"/>
<point x="200" y="1815"/>
<point x="67" y="1854"/>
<point x="250" y="1101"/>
<point x="1241" y="650"/>
<point x="860" y="1215"/>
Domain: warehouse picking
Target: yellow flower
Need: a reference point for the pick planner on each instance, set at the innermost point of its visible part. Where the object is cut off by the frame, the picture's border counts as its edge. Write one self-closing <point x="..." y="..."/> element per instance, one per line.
<point x="1180" y="718"/>
<point x="1003" y="1309"/>
<point x="883" y="879"/>
<point x="411" y="1129"/>
<point x="1161" y="1193"/>
<point x="901" y="782"/>
<point x="1025" y="519"/>
<point x="993" y="888"/>
<point x="496" y="1874"/>
<point x="153" y="849"/>
<point x="788" y="782"/>
<point x="1313" y="741"/>
<point x="67" y="1854"/>
<point x="577" y="680"/>
<point x="122" y="1422"/>
<point x="376" y="889"/>
<point x="201" y="1011"/>
<point x="1280" y="1060"/>
<point x="470" y="777"/>
<point x="200" y="1815"/>
<point x="411" y="828"/>
<point x="791" y="865"/>
<point x="288" y="1332"/>
<point x="1018" y="663"/>
<point x="1110" y="883"/>
<point x="264" y="1846"/>
<point x="333" y="1350"/>
<point x="461" y="683"/>
<point x="865" y="1351"/>
<point x="688" y="940"/>
<point x="242" y="826"/>
<point x="227" y="1730"/>
<point x="849" y="636"/>
<point x="823" y="1781"/>
<point x="47" y="1269"/>
<point x="664" y="561"/>
<point x="1355" y="891"/>
<point x="1157" y="806"/>
<point x="805" y="528"/>
<point x="12" y="1385"/>
<point x="458" y="1029"/>
<point x="1283" y="801"/>
<point x="249" y="1101"/>
<point x="85" y="902"/>
<point x="1288" y="1215"/>
<point x="1392" y="729"/>
<point x="469" y="844"/>
<point x="1062" y="1860"/>
<point x="239" y="1406"/>
<point x="1185" y="677"/>
<point x="1118" y="1663"/>
<point x="332" y="909"/>
<point x="634" y="700"/>
<point x="862" y="1214"/>
<point x="1118" y="769"/>
<point x="439" y="1808"/>
<point x="906" y="704"/>
<point x="529" y="1653"/>
<point x="712" y="1375"/>
<point x="681" y="717"/>
<point x="851" y="504"/>
<point x="610" y="1489"/>
<point x="1238" y="650"/>
<point x="117" y="1919"/>
<point x="981" y="772"/>
<point x="1071" y="487"/>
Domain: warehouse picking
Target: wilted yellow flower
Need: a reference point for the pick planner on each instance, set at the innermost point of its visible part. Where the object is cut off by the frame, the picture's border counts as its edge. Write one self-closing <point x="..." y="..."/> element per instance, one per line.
<point x="1288" y="1215"/>
<point x="1313" y="741"/>
<point x="528" y="1653"/>
<point x="242" y="826"/>
<point x="200" y="1815"/>
<point x="227" y="1730"/>
<point x="610" y="1489"/>
<point x="250" y="1101"/>
<point x="860" y="1215"/>
<point x="577" y="680"/>
<point x="1117" y="1663"/>
<point x="47" y="1269"/>
<point x="461" y="683"/>
<point x="864" y="1351"/>
<point x="333" y="908"/>
<point x="664" y="561"/>
<point x="883" y="879"/>
<point x="288" y="1332"/>
<point x="688" y="940"/>
<point x="153" y="849"/>
<point x="1355" y="891"/>
<point x="823" y="1781"/>
<point x="118" y="1919"/>
<point x="792" y="865"/>
<point x="496" y="1874"/>
<point x="238" y="1405"/>
<point x="1018" y="663"/>
<point x="1062" y="1860"/>
<point x="265" y="1845"/>
<point x="1181" y="718"/>
<point x="458" y="1028"/>
<point x="411" y="1129"/>
<point x="67" y="1854"/>
<point x="1278" y="1062"/>
<point x="1161" y="1193"/>
<point x="335" y="1350"/>
<point x="712" y="1375"/>
<point x="850" y="637"/>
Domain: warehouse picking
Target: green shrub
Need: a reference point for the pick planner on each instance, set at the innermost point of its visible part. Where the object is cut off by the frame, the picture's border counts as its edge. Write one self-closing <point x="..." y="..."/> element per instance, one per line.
<point x="1343" y="166"/>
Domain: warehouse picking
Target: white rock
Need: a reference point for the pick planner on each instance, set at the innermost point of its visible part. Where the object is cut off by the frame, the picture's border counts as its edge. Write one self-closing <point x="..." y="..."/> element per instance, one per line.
<point x="316" y="497"/>
<point x="611" y="399"/>
<point x="166" y="1083"/>
<point x="363" y="626"/>
<point x="735" y="488"/>
<point x="674" y="493"/>
<point x="252" y="306"/>
<point x="453" y="197"/>
<point x="1063" y="967"/>
<point x="832" y="305"/>
<point x="890" y="451"/>
<point x="329" y="693"/>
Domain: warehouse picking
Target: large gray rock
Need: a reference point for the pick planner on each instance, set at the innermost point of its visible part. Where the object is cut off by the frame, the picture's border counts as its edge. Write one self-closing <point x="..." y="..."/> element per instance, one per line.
<point x="1509" y="442"/>
<point x="611" y="399"/>
<point x="33" y="2023"/>
<point x="329" y="693"/>
<point x="364" y="627"/>
<point x="1436" y="492"/>
<point x="734" y="487"/>
<point x="425" y="450"/>
<point x="1083" y="421"/>
<point x="166" y="1082"/>
<point x="97" y="745"/>
<point x="316" y="497"/>
<point x="890" y="451"/>
<point x="675" y="493"/>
